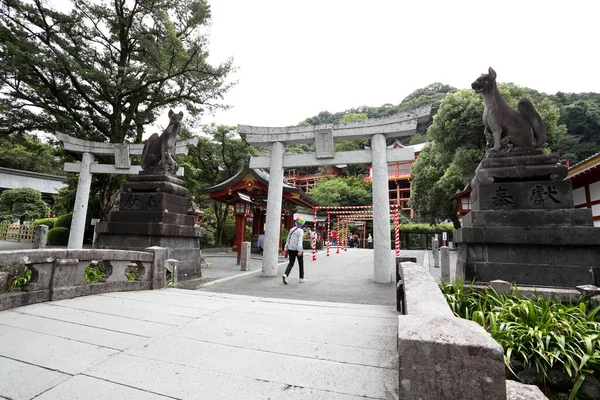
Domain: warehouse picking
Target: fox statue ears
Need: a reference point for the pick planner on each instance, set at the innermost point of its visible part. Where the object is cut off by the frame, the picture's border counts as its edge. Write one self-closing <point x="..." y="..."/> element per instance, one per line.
<point x="492" y="73"/>
<point x="171" y="113"/>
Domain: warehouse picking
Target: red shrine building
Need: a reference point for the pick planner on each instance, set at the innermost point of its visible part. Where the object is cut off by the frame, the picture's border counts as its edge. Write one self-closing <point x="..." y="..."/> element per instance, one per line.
<point x="399" y="177"/>
<point x="585" y="177"/>
<point x="247" y="193"/>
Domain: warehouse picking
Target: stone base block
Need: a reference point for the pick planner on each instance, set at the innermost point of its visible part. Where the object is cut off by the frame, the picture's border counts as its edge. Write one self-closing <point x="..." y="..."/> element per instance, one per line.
<point x="162" y="187"/>
<point x="18" y="299"/>
<point x="529" y="264"/>
<point x="151" y="217"/>
<point x="150" y="229"/>
<point x="153" y="201"/>
<point x="184" y="249"/>
<point x="529" y="218"/>
<point x="448" y="358"/>
<point x="518" y="235"/>
<point x="533" y="195"/>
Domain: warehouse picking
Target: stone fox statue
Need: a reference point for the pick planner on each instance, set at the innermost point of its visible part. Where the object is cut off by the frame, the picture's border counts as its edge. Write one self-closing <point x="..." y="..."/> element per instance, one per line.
<point x="157" y="156"/>
<point x="505" y="128"/>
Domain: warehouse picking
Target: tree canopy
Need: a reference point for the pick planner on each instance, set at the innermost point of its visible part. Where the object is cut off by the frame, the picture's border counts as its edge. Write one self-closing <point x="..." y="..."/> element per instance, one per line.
<point x="104" y="70"/>
<point x="24" y="204"/>
<point x="350" y="191"/>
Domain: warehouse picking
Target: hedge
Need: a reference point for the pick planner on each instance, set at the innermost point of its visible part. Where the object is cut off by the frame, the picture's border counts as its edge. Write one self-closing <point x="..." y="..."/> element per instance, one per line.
<point x="58" y="236"/>
<point x="64" y="221"/>
<point x="49" y="222"/>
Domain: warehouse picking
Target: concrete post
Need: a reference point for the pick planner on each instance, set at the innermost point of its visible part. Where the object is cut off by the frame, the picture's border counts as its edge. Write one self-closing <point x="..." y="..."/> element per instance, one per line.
<point x="245" y="256"/>
<point x="273" y="223"/>
<point x="173" y="268"/>
<point x="41" y="237"/>
<point x="384" y="261"/>
<point x="445" y="263"/>
<point x="435" y="249"/>
<point x="159" y="266"/>
<point x="81" y="203"/>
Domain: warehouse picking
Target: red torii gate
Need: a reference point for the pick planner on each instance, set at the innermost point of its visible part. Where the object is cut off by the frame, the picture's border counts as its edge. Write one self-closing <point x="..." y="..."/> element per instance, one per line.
<point x="363" y="213"/>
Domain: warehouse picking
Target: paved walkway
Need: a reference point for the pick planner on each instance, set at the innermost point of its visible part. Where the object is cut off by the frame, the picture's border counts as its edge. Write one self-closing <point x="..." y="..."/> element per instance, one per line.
<point x="248" y="337"/>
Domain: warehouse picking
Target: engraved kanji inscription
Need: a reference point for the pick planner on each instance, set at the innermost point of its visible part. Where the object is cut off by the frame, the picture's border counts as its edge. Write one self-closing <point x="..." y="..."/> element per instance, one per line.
<point x="133" y="203"/>
<point x="502" y="198"/>
<point x="151" y="203"/>
<point x="540" y="194"/>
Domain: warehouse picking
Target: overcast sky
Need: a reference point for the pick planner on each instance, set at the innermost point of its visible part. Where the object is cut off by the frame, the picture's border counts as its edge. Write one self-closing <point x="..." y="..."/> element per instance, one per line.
<point x="297" y="58"/>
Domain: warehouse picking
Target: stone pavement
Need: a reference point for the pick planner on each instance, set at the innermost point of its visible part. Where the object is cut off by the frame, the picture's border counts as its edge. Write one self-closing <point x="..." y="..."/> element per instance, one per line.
<point x="182" y="344"/>
<point x="346" y="277"/>
<point x="240" y="335"/>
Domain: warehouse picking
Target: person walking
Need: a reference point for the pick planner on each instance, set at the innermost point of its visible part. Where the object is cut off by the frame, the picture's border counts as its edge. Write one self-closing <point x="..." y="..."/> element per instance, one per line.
<point x="260" y="243"/>
<point x="293" y="246"/>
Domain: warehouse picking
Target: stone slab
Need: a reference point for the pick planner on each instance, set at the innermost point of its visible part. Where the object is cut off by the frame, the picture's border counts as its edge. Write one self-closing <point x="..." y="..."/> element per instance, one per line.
<point x="111" y="322"/>
<point x="50" y="352"/>
<point x="532" y="274"/>
<point x="16" y="379"/>
<point x="448" y="358"/>
<point x="36" y="256"/>
<point x="269" y="366"/>
<point x="156" y="178"/>
<point x="215" y="331"/>
<point x="548" y="218"/>
<point x="18" y="299"/>
<point x="520" y="391"/>
<point x="423" y="295"/>
<point x="532" y="254"/>
<point x="115" y="302"/>
<point x="565" y="236"/>
<point x="83" y="387"/>
<point x="72" y="331"/>
<point x="371" y="337"/>
<point x="533" y="195"/>
<point x="109" y="255"/>
<point x="154" y="186"/>
<point x="151" y="217"/>
<point x="69" y="292"/>
<point x="92" y="304"/>
<point x="183" y="382"/>
<point x="148" y="229"/>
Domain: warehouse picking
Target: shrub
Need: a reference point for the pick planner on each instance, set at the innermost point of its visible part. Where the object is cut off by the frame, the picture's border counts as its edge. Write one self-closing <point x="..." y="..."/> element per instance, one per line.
<point x="307" y="244"/>
<point x="536" y="334"/>
<point x="64" y="221"/>
<point x="49" y="222"/>
<point x="207" y="239"/>
<point x="58" y="236"/>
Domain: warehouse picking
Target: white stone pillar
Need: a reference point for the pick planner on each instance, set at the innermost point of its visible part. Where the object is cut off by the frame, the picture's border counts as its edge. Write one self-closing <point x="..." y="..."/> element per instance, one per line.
<point x="383" y="262"/>
<point x="273" y="223"/>
<point x="81" y="203"/>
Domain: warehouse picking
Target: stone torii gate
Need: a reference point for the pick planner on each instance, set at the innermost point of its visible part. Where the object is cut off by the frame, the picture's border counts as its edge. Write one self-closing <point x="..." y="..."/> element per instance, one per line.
<point x="377" y="130"/>
<point x="87" y="167"/>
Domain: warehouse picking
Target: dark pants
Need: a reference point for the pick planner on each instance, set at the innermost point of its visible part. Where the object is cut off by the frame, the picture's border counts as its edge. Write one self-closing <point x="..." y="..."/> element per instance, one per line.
<point x="293" y="254"/>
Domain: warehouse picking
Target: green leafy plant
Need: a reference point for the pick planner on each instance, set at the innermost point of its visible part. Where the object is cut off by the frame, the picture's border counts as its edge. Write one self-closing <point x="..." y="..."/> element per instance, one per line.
<point x="49" y="222"/>
<point x="64" y="221"/>
<point x="20" y="281"/>
<point x="95" y="272"/>
<point x="132" y="273"/>
<point x="536" y="333"/>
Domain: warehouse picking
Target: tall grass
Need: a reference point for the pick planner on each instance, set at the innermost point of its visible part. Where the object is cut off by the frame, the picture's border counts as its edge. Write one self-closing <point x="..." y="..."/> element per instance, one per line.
<point x="537" y="333"/>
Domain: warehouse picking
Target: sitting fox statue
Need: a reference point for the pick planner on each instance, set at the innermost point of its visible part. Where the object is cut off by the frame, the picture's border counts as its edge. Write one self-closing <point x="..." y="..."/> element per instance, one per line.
<point x="157" y="156"/>
<point x="507" y="130"/>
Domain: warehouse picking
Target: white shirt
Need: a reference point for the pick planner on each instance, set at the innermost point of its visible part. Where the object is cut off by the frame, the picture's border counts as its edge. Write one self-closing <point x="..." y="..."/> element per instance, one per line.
<point x="294" y="241"/>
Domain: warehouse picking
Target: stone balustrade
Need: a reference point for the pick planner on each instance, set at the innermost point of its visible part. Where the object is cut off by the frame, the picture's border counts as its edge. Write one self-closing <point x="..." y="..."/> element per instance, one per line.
<point x="445" y="357"/>
<point x="58" y="274"/>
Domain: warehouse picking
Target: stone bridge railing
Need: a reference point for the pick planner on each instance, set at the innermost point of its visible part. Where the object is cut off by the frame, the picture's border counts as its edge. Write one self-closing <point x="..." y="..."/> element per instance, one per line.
<point x="58" y="274"/>
<point x="442" y="356"/>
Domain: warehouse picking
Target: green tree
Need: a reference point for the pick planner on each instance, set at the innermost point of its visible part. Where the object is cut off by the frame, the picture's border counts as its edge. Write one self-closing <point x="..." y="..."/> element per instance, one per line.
<point x="24" y="204"/>
<point x="448" y="163"/>
<point x="218" y="156"/>
<point x="104" y="70"/>
<point x="29" y="153"/>
<point x="342" y="192"/>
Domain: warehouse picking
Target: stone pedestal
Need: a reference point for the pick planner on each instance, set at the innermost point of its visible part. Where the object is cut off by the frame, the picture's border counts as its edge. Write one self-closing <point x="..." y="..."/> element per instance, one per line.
<point x="523" y="227"/>
<point x="153" y="212"/>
